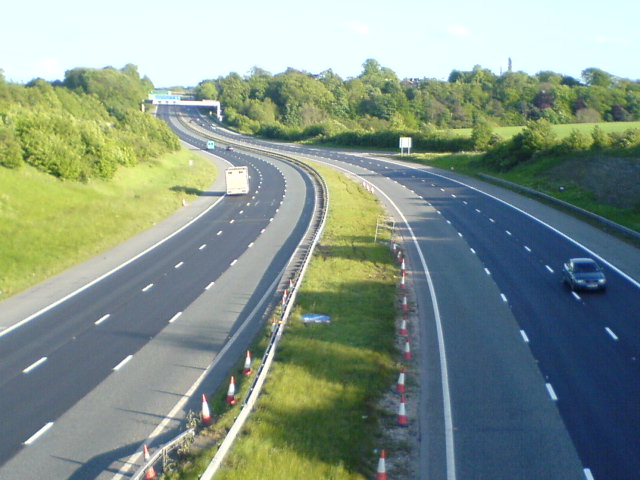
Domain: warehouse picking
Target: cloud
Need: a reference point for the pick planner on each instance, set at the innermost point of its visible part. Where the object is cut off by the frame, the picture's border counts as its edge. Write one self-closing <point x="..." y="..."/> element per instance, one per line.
<point x="457" y="31"/>
<point x="359" y="28"/>
<point x="50" y="68"/>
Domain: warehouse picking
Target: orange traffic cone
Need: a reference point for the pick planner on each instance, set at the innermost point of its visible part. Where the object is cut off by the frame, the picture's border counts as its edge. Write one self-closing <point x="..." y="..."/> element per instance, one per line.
<point x="403" y="284"/>
<point x="403" y="421"/>
<point x="231" y="392"/>
<point x="246" y="371"/>
<point x="381" y="472"/>
<point x="405" y="303"/>
<point x="407" y="350"/>
<point x="206" y="413"/>
<point x="151" y="472"/>
<point x="400" y="385"/>
<point x="403" y="326"/>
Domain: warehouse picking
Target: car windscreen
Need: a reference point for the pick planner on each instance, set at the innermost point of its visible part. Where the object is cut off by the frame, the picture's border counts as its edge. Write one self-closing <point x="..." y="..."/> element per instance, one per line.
<point x="585" y="267"/>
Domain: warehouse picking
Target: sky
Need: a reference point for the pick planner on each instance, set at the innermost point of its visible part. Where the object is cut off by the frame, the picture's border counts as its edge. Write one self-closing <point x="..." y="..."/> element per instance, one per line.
<point x="184" y="43"/>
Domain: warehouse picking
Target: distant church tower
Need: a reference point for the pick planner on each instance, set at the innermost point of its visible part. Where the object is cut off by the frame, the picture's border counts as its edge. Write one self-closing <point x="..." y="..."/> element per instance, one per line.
<point x="510" y="66"/>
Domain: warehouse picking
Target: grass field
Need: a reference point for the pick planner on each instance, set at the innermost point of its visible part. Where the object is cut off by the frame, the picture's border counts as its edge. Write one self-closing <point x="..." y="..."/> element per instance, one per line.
<point x="47" y="225"/>
<point x="317" y="417"/>
<point x="561" y="130"/>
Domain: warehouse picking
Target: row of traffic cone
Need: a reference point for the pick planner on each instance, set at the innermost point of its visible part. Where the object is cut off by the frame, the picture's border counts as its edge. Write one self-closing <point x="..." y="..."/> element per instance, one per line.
<point x="400" y="388"/>
<point x="205" y="412"/>
<point x="368" y="187"/>
<point x="231" y="391"/>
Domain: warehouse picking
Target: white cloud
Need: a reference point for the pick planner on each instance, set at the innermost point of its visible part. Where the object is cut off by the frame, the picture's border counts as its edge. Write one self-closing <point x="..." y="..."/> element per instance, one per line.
<point x="359" y="28"/>
<point x="458" y="31"/>
<point x="50" y="68"/>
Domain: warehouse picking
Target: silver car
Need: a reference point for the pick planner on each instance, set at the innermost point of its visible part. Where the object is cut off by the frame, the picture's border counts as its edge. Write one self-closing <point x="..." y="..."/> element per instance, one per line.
<point x="583" y="274"/>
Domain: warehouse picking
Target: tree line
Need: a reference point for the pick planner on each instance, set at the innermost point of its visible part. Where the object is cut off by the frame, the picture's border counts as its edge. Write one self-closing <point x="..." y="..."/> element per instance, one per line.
<point x="84" y="127"/>
<point x="377" y="99"/>
<point x="374" y="108"/>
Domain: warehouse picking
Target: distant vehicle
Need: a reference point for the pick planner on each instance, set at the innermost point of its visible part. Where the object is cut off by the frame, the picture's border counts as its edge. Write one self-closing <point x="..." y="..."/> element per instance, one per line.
<point x="583" y="274"/>
<point x="211" y="144"/>
<point x="229" y="147"/>
<point x="237" y="180"/>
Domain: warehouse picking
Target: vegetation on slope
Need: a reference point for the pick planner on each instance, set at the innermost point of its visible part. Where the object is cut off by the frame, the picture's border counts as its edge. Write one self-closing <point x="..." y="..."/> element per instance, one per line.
<point x="47" y="225"/>
<point x="85" y="127"/>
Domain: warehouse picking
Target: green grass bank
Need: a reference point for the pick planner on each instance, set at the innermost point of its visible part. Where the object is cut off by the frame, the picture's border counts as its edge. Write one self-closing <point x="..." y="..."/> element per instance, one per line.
<point x="603" y="184"/>
<point x="561" y="130"/>
<point x="48" y="225"/>
<point x="318" y="415"/>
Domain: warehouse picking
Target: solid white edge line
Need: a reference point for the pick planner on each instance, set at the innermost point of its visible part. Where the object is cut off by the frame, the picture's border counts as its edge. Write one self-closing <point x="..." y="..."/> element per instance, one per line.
<point x="175" y="317"/>
<point x="529" y="215"/>
<point x="34" y="365"/>
<point x="102" y="319"/>
<point x="38" y="434"/>
<point x="124" y="361"/>
<point x="110" y="272"/>
<point x="551" y="391"/>
<point x="444" y="369"/>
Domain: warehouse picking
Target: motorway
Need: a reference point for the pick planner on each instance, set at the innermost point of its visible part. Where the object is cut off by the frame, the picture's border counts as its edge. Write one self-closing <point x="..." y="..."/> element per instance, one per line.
<point x="522" y="378"/>
<point x="84" y="382"/>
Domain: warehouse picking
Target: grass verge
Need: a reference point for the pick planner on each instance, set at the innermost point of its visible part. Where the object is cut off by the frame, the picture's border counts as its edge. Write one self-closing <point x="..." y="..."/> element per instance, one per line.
<point x="318" y="414"/>
<point x="48" y="225"/>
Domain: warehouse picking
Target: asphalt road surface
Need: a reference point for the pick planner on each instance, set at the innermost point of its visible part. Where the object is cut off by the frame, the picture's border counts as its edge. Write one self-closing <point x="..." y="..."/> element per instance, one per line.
<point x="84" y="383"/>
<point x="540" y="382"/>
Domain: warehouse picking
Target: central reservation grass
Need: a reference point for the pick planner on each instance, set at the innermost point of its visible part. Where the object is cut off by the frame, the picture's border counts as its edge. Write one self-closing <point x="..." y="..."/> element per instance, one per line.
<point x="48" y="225"/>
<point x="317" y="417"/>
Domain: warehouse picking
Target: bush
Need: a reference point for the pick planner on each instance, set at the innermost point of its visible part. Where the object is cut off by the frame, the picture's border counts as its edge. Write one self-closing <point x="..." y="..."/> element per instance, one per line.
<point x="10" y="152"/>
<point x="576" y="141"/>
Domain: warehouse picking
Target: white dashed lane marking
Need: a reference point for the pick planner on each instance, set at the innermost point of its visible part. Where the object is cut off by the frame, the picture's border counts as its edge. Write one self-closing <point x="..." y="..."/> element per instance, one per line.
<point x="34" y="365"/>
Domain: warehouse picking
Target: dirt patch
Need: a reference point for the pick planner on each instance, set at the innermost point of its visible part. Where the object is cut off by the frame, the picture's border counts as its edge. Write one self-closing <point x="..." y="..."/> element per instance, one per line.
<point x="612" y="180"/>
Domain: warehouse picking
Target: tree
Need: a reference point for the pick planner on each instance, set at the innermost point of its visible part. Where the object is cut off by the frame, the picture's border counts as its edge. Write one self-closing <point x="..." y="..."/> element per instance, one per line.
<point x="538" y="136"/>
<point x="481" y="134"/>
<point x="597" y="77"/>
